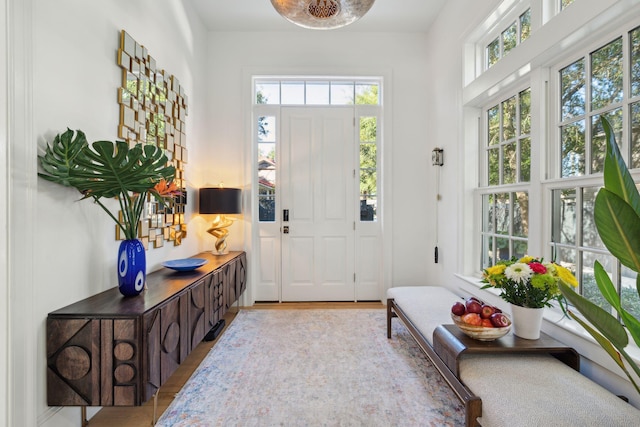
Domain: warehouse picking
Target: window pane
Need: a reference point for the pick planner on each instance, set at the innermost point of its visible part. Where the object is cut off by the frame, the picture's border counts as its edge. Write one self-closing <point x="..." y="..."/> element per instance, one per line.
<point x="628" y="293"/>
<point x="525" y="160"/>
<point x="509" y="166"/>
<point x="503" y="214"/>
<point x="368" y="156"/>
<point x="573" y="90"/>
<point x="268" y="93"/>
<point x="590" y="236"/>
<point x="487" y="213"/>
<point x="564" y="216"/>
<point x="266" y="168"/>
<point x="606" y="75"/>
<point x="589" y="286"/>
<point x="502" y="249"/>
<point x="635" y="136"/>
<point x="368" y="208"/>
<point x="494" y="166"/>
<point x="634" y="37"/>
<point x="367" y="94"/>
<point x="368" y="129"/>
<point x="598" y="141"/>
<point x="293" y="93"/>
<point x="493" y="52"/>
<point x="493" y="119"/>
<point x="525" y="112"/>
<point x="487" y="252"/>
<point x="568" y="258"/>
<point x="342" y="93"/>
<point x="525" y="25"/>
<point x="521" y="214"/>
<point x="317" y="93"/>
<point x="573" y="140"/>
<point x="520" y="248"/>
<point x="510" y="38"/>
<point x="368" y="183"/>
<point x="509" y="119"/>
<point x="267" y="208"/>
<point x="266" y="129"/>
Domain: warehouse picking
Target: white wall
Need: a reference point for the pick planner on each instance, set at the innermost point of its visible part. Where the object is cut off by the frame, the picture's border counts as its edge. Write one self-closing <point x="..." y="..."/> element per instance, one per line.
<point x="234" y="57"/>
<point x="63" y="73"/>
<point x="4" y="282"/>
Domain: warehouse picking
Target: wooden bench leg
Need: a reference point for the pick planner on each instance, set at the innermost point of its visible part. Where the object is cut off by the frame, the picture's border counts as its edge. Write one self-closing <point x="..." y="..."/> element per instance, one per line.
<point x="473" y="410"/>
<point x="390" y="314"/>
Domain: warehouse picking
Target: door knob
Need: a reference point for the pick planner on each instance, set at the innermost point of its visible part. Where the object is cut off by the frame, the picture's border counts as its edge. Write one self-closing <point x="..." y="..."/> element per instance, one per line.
<point x="285" y="229"/>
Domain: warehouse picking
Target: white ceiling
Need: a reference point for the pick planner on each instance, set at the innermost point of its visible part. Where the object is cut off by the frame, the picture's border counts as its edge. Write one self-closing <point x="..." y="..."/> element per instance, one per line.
<point x="259" y="15"/>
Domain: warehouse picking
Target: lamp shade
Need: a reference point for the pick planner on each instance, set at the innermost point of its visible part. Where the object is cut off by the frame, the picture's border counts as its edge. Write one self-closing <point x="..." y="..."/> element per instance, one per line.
<point x="220" y="200"/>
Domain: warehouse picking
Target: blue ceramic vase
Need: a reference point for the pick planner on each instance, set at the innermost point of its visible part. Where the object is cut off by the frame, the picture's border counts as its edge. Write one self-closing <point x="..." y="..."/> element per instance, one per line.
<point x="132" y="267"/>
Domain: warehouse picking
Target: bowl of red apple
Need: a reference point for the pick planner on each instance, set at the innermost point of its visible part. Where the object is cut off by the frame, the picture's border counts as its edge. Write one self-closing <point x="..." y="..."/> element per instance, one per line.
<point x="479" y="320"/>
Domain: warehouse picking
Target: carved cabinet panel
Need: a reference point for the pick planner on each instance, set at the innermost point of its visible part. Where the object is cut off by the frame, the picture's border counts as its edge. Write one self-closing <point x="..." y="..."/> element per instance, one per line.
<point x="215" y="299"/>
<point x="198" y="308"/>
<point x="109" y="350"/>
<point x="229" y="273"/>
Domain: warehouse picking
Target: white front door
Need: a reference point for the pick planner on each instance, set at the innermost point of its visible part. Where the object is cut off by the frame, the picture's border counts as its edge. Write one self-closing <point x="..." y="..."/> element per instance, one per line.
<point x="317" y="153"/>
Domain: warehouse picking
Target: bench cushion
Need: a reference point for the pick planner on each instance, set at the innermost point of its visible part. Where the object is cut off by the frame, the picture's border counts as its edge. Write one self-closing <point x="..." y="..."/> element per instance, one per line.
<point x="539" y="390"/>
<point x="426" y="306"/>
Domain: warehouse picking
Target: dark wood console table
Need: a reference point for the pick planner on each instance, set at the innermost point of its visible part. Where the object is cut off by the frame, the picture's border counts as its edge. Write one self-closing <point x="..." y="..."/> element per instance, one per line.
<point x="450" y="343"/>
<point x="110" y="350"/>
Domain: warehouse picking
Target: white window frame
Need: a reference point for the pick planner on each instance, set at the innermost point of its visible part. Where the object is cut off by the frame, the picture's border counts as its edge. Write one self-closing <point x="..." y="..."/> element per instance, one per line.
<point x="589" y="179"/>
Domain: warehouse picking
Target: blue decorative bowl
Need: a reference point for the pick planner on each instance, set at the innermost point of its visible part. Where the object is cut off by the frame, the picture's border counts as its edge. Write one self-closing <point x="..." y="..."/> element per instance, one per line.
<point x="186" y="264"/>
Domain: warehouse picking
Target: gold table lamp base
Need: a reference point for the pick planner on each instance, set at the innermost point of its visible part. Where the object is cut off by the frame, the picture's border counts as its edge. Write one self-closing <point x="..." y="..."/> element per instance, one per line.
<point x="219" y="230"/>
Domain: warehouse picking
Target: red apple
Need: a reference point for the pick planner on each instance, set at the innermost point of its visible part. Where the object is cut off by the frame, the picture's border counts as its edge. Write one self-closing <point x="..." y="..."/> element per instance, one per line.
<point x="499" y="320"/>
<point x="458" y="309"/>
<point x="472" y="319"/>
<point x="487" y="323"/>
<point x="478" y="300"/>
<point x="487" y="311"/>
<point x="473" y="306"/>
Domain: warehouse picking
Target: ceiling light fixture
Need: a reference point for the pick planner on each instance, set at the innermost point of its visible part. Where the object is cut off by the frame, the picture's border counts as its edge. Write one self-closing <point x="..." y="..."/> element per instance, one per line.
<point x="322" y="14"/>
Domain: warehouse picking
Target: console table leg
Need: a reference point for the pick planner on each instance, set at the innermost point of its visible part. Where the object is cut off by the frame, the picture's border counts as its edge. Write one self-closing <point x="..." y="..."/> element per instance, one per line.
<point x="83" y="416"/>
<point x="155" y="407"/>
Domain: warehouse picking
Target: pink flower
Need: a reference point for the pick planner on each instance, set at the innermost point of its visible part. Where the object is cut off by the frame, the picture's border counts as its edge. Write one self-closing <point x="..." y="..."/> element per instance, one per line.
<point x="538" y="268"/>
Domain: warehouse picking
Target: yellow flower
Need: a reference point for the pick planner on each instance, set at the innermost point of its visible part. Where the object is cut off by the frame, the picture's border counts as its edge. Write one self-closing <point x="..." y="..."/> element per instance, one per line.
<point x="526" y="259"/>
<point x="566" y="276"/>
<point x="496" y="269"/>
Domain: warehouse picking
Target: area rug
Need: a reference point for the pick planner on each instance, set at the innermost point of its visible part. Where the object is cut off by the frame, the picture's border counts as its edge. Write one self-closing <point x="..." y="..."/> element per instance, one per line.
<point x="331" y="367"/>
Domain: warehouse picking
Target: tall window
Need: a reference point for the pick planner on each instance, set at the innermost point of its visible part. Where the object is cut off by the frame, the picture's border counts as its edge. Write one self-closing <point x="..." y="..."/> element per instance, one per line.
<point x="602" y="83"/>
<point x="505" y="199"/>
<point x="509" y="38"/>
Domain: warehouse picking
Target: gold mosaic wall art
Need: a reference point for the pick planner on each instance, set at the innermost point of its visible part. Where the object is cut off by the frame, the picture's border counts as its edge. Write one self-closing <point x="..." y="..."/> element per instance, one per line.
<point x="153" y="108"/>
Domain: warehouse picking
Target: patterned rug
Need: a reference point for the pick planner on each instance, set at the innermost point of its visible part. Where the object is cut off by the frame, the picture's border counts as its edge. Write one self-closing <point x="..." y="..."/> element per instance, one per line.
<point x="314" y="368"/>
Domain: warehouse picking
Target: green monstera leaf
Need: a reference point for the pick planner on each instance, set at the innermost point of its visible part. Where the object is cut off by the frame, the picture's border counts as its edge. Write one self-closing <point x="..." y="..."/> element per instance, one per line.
<point x="104" y="169"/>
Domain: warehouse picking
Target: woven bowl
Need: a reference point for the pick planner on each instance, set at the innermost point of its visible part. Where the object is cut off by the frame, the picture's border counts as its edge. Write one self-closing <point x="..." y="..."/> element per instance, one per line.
<point x="480" y="333"/>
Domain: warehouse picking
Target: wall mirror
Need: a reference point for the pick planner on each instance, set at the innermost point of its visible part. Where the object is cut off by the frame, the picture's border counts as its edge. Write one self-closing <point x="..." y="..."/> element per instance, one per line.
<point x="153" y="108"/>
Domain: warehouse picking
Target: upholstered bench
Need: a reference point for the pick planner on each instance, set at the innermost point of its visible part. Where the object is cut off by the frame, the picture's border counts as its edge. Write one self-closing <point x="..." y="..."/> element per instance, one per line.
<point x="507" y="389"/>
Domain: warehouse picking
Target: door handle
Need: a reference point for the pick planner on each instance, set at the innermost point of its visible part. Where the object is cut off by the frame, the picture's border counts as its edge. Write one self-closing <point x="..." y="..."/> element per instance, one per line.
<point x="285" y="229"/>
<point x="285" y="215"/>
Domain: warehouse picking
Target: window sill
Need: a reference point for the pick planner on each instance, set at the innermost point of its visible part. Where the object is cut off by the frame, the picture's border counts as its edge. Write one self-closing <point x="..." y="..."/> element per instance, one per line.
<point x="567" y="330"/>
